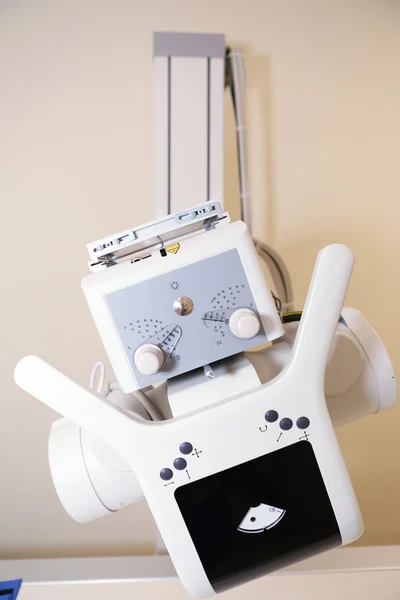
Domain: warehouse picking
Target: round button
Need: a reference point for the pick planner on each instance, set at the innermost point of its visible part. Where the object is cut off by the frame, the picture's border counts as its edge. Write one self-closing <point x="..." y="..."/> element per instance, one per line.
<point x="183" y="306"/>
<point x="286" y="424"/>
<point x="149" y="359"/>
<point x="186" y="447"/>
<point x="271" y="416"/>
<point x="166" y="474"/>
<point x="303" y="422"/>
<point x="180" y="464"/>
<point x="244" y="323"/>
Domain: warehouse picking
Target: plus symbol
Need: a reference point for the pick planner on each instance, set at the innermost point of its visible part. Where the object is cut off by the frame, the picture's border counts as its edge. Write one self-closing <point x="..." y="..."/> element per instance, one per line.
<point x="305" y="436"/>
<point x="197" y="452"/>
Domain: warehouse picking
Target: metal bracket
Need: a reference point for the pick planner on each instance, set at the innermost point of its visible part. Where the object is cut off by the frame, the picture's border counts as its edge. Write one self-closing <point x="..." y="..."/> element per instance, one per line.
<point x="110" y="250"/>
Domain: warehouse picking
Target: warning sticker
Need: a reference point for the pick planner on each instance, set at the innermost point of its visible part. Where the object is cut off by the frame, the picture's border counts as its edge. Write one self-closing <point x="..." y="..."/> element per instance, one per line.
<point x="173" y="249"/>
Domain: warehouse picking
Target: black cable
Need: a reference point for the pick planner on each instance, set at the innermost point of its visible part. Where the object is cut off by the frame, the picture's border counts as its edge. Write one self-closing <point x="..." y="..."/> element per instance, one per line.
<point x="278" y="302"/>
<point x="228" y="69"/>
<point x="238" y="148"/>
<point x="284" y="286"/>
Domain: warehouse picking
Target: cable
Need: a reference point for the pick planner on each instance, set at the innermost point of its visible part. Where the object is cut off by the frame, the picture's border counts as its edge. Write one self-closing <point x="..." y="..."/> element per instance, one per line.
<point x="237" y="87"/>
<point x="99" y="366"/>
<point x="141" y="397"/>
<point x="279" y="272"/>
<point x="147" y="404"/>
<point x="278" y="303"/>
<point x="144" y="400"/>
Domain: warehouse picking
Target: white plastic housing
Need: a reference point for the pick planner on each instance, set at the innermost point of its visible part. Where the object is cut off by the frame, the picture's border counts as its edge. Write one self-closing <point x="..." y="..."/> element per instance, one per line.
<point x="190" y="392"/>
<point x="359" y="377"/>
<point x="148" y="448"/>
<point x="69" y="473"/>
<point x="223" y="238"/>
<point x="90" y="478"/>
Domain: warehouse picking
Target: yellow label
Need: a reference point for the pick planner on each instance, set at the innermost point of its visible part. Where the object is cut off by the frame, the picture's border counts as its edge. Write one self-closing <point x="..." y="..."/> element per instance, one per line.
<point x="173" y="249"/>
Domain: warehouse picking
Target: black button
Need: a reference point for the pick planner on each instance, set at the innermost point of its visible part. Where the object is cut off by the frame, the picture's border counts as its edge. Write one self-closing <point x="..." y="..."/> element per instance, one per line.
<point x="166" y="474"/>
<point x="186" y="447"/>
<point x="180" y="464"/>
<point x="271" y="416"/>
<point x="303" y="422"/>
<point x="286" y="424"/>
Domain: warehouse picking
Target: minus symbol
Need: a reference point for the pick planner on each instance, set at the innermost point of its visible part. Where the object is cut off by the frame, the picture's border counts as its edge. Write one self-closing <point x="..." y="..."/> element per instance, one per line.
<point x="187" y="473"/>
<point x="280" y="435"/>
<point x="166" y="484"/>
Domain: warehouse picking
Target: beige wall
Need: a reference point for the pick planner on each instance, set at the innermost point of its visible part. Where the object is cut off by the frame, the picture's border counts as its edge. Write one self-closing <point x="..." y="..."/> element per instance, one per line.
<point x="76" y="164"/>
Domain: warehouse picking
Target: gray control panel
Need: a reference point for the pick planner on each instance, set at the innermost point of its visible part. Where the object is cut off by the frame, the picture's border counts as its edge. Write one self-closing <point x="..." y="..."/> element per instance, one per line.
<point x="185" y="313"/>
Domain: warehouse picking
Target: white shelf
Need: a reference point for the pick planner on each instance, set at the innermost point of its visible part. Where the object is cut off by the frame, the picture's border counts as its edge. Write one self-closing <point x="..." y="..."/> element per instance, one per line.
<point x="130" y="569"/>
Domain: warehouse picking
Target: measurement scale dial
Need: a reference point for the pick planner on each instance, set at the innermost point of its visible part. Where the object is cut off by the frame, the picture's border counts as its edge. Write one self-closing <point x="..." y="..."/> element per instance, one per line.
<point x="151" y="356"/>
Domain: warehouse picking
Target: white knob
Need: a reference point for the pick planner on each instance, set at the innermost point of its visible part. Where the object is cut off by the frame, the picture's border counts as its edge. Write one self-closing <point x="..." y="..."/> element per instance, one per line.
<point x="149" y="359"/>
<point x="244" y="323"/>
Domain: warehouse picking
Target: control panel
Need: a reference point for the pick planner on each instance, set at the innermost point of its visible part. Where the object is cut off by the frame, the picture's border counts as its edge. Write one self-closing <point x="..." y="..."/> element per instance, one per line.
<point x="186" y="318"/>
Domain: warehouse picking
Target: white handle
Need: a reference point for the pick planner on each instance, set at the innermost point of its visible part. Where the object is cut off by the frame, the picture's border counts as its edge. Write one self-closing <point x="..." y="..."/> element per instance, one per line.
<point x="87" y="409"/>
<point x="322" y="309"/>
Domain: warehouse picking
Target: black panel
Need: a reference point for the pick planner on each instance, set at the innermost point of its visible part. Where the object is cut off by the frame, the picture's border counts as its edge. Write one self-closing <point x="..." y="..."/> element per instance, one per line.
<point x="287" y="480"/>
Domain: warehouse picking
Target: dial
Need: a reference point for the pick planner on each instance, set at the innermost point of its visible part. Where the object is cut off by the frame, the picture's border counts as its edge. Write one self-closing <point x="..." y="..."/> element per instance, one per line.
<point x="151" y="356"/>
<point x="149" y="359"/>
<point x="217" y="320"/>
<point x="167" y="338"/>
<point x="226" y="302"/>
<point x="244" y="323"/>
